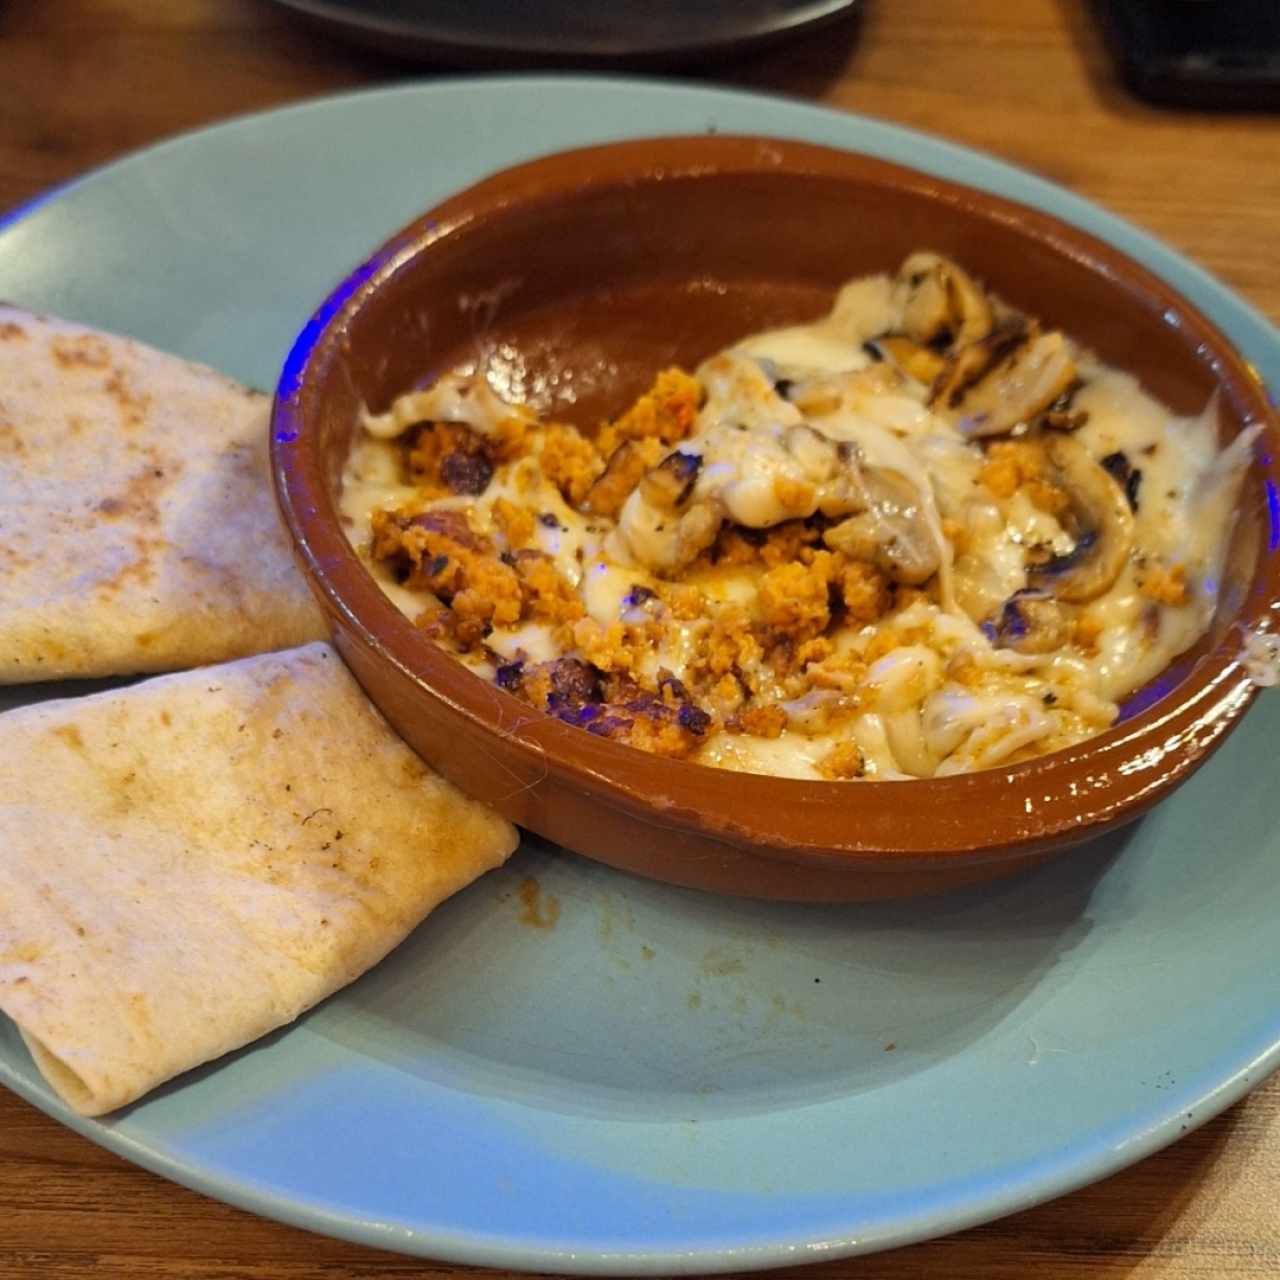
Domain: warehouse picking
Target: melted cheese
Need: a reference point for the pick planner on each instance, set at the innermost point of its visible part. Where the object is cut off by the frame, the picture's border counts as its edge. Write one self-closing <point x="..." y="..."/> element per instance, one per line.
<point x="947" y="700"/>
<point x="761" y="460"/>
<point x="456" y="397"/>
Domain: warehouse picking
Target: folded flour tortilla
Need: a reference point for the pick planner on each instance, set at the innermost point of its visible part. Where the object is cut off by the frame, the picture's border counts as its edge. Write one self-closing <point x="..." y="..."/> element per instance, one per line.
<point x="138" y="528"/>
<point x="191" y="862"/>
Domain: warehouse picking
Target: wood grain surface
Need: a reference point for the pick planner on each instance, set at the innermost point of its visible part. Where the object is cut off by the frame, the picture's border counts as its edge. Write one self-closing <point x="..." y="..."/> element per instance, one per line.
<point x="84" y="81"/>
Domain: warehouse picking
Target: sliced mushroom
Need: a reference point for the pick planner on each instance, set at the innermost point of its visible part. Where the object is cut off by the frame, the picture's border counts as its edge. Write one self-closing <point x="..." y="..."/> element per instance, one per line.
<point x="890" y="532"/>
<point x="670" y="484"/>
<point x="665" y="543"/>
<point x="967" y="368"/>
<point x="1118" y="466"/>
<point x="626" y="467"/>
<point x="695" y="531"/>
<point x="942" y="306"/>
<point x="1031" y="622"/>
<point x="1061" y="416"/>
<point x="1009" y="378"/>
<point x="1065" y="419"/>
<point x="1103" y="525"/>
<point x="817" y="455"/>
<point x="916" y="361"/>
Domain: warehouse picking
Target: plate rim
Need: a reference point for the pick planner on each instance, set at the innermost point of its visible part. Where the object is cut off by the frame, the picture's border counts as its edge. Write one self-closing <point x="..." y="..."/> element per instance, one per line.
<point x="1067" y="1173"/>
<point x="425" y="40"/>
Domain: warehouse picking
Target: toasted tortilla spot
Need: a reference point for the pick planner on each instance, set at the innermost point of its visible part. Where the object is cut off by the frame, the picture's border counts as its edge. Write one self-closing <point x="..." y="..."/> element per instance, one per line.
<point x="10" y="440"/>
<point x="131" y="403"/>
<point x="80" y="350"/>
<point x="22" y="953"/>
<point x="140" y="497"/>
<point x="70" y="735"/>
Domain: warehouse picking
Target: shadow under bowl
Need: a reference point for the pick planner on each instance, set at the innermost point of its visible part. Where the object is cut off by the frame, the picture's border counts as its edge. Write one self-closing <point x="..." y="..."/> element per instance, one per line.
<point x="576" y="277"/>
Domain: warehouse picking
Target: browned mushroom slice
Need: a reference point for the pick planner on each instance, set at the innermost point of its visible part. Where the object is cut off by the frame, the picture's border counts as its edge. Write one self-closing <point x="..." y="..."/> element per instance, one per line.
<point x="1007" y="379"/>
<point x="664" y="528"/>
<point x="670" y="484"/>
<point x="942" y="306"/>
<point x="627" y="465"/>
<point x="1065" y="419"/>
<point x="1103" y="525"/>
<point x="1061" y="416"/>
<point x="1032" y="622"/>
<point x="915" y="361"/>
<point x="694" y="531"/>
<point x="891" y="532"/>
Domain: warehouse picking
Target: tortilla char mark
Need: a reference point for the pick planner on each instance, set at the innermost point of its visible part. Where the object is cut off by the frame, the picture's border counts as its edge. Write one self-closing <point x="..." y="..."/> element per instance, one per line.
<point x="82" y="350"/>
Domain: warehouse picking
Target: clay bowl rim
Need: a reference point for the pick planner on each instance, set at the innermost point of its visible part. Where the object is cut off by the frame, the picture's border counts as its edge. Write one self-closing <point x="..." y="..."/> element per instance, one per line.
<point x="1054" y="800"/>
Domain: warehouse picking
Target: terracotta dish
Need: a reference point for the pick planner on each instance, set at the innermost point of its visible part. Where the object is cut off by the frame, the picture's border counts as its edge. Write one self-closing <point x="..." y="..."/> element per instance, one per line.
<point x="582" y="274"/>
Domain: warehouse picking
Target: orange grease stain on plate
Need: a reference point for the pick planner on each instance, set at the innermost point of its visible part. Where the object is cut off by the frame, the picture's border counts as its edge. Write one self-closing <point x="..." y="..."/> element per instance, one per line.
<point x="538" y="910"/>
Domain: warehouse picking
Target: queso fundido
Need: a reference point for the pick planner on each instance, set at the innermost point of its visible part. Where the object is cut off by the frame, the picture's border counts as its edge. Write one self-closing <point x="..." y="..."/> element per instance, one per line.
<point x="923" y="535"/>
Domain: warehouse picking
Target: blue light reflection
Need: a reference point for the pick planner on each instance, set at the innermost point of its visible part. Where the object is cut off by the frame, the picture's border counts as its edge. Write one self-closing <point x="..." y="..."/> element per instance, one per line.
<point x="291" y="374"/>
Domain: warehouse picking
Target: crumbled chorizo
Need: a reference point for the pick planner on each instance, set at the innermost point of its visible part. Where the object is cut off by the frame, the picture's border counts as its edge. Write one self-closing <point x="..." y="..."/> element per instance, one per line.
<point x="546" y="594"/>
<point x="864" y="590"/>
<point x="685" y="601"/>
<point x="515" y="523"/>
<point x="762" y="721"/>
<point x="1163" y="585"/>
<point x="842" y="762"/>
<point x="735" y="545"/>
<point x="563" y="686"/>
<point x="729" y="646"/>
<point x="446" y="457"/>
<point x="570" y="461"/>
<point x="510" y="437"/>
<point x="665" y="412"/>
<point x="1020" y="464"/>
<point x="609" y="648"/>
<point x="792" y="540"/>
<point x="438" y="552"/>
<point x="843" y="672"/>
<point x="611" y="705"/>
<point x="795" y="598"/>
<point x="781" y="544"/>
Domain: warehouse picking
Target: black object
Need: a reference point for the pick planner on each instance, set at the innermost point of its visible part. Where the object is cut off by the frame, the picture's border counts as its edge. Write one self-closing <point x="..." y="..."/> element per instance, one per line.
<point x="592" y="33"/>
<point x="1200" y="53"/>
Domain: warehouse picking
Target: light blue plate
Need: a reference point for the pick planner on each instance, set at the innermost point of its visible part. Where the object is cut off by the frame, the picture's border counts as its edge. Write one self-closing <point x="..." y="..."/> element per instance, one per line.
<point x="667" y="1082"/>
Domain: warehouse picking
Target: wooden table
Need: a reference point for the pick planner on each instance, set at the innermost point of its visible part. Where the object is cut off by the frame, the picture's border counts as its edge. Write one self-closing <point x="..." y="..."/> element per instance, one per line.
<point x="83" y="81"/>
